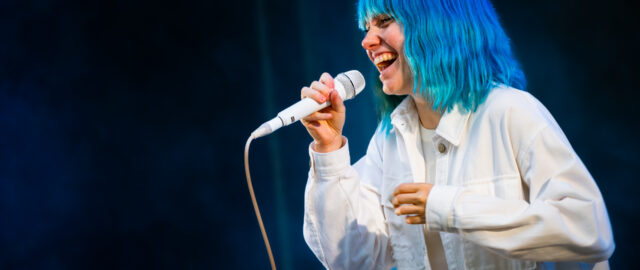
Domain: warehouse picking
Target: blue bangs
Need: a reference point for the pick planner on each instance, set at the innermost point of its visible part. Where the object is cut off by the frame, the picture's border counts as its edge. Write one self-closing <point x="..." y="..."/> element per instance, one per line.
<point x="456" y="50"/>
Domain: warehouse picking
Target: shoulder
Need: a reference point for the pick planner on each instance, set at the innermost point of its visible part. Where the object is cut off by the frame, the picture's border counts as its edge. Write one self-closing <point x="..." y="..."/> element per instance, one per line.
<point x="503" y="99"/>
<point x="514" y="115"/>
<point x="517" y="108"/>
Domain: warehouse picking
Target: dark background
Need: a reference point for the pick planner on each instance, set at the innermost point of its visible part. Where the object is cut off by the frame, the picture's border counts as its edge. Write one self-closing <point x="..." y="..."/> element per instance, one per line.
<point x="122" y="123"/>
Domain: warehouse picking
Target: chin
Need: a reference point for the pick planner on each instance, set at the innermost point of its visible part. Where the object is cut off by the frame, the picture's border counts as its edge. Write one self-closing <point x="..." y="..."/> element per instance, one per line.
<point x="386" y="89"/>
<point x="392" y="89"/>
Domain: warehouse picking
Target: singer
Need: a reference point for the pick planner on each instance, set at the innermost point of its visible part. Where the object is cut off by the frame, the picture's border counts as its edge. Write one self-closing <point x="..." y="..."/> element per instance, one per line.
<point x="465" y="171"/>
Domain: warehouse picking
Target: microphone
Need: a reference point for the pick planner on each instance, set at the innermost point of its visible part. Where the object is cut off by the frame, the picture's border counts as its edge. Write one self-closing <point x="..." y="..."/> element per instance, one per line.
<point x="348" y="84"/>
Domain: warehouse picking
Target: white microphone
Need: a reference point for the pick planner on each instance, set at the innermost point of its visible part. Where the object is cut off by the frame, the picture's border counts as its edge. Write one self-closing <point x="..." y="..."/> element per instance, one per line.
<point x="348" y="85"/>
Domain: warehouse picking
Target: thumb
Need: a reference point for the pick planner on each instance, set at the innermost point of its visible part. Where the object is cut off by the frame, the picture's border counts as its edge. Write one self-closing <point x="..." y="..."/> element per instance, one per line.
<point x="336" y="102"/>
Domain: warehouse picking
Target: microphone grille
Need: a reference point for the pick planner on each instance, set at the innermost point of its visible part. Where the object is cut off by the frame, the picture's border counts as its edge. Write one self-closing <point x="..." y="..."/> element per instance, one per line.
<point x="353" y="82"/>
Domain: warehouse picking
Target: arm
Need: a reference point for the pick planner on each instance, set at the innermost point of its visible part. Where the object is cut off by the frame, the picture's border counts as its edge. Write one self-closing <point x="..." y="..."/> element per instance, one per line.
<point x="343" y="220"/>
<point x="565" y="218"/>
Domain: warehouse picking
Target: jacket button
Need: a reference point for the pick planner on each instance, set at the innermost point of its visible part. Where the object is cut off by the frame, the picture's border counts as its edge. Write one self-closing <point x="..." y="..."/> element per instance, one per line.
<point x="441" y="148"/>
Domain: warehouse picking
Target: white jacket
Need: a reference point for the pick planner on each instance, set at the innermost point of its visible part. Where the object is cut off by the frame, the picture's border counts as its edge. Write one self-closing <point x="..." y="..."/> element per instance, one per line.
<point x="509" y="193"/>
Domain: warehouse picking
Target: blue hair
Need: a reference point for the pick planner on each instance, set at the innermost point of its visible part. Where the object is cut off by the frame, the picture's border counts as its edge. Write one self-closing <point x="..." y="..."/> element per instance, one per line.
<point x="456" y="50"/>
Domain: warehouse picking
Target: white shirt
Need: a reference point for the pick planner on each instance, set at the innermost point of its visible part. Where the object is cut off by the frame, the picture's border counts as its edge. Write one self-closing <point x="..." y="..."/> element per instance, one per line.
<point x="429" y="152"/>
<point x="433" y="240"/>
<point x="509" y="191"/>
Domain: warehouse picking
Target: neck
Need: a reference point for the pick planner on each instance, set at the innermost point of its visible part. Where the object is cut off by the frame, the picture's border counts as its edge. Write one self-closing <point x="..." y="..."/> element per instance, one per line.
<point x="429" y="118"/>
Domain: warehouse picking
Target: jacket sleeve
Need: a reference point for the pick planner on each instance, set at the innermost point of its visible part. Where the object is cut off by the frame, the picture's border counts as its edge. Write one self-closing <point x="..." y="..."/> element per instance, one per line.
<point x="564" y="218"/>
<point x="344" y="224"/>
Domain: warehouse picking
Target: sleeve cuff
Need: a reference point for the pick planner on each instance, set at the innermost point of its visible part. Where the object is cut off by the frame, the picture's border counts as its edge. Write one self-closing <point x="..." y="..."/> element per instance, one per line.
<point x="330" y="164"/>
<point x="439" y="211"/>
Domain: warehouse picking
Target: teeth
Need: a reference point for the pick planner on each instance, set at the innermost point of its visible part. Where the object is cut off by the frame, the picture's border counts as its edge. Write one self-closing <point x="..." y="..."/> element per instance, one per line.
<point x="384" y="57"/>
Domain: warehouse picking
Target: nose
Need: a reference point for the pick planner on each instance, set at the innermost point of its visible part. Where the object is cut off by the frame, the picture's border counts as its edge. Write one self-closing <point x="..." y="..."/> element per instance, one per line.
<point x="370" y="41"/>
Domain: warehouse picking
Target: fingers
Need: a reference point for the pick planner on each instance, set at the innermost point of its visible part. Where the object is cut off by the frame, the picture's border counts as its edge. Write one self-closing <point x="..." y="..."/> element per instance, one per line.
<point x="407" y="188"/>
<point x="415" y="213"/>
<point x="410" y="198"/>
<point x="336" y="100"/>
<point x="317" y="116"/>
<point x="313" y="94"/>
<point x="323" y="88"/>
<point x="415" y="220"/>
<point x="318" y="91"/>
<point x="326" y="79"/>
<point x="410" y="209"/>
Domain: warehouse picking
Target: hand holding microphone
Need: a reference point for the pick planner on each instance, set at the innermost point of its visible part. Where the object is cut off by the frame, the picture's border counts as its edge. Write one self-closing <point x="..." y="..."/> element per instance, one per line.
<point x="325" y="126"/>
<point x="322" y="127"/>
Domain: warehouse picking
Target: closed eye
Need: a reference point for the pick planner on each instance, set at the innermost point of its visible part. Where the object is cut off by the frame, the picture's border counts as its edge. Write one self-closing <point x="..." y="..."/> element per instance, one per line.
<point x="385" y="20"/>
<point x="380" y="21"/>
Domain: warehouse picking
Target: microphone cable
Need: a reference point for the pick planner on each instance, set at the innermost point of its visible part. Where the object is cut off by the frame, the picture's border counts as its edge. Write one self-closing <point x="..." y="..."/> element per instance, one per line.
<point x="348" y="84"/>
<point x="255" y="202"/>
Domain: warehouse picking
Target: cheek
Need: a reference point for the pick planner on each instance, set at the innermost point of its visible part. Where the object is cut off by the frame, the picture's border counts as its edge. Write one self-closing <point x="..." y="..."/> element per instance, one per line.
<point x="405" y="78"/>
<point x="405" y="71"/>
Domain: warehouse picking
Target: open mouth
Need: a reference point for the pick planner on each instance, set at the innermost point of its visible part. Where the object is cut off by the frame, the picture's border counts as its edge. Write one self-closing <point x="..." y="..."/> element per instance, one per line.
<point x="384" y="60"/>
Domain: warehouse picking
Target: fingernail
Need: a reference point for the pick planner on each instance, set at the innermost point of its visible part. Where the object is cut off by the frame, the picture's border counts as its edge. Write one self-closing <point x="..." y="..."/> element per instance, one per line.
<point x="397" y="212"/>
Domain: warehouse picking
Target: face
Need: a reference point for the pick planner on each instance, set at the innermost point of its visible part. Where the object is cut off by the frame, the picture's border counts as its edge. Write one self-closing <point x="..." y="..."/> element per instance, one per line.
<point x="384" y="45"/>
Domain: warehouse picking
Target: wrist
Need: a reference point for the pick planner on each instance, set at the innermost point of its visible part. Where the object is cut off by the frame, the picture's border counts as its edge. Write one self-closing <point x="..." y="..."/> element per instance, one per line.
<point x="334" y="145"/>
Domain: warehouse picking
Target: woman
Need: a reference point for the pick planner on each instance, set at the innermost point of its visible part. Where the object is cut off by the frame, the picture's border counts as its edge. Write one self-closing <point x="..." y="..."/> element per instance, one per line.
<point x="464" y="171"/>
